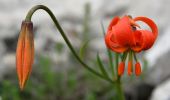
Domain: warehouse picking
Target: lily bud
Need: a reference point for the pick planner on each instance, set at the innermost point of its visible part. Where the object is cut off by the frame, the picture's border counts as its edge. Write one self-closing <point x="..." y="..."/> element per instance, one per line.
<point x="25" y="52"/>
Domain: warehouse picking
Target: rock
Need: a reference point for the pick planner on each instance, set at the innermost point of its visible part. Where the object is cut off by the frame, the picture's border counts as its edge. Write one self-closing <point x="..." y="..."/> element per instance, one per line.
<point x="138" y="91"/>
<point x="160" y="71"/>
<point x="160" y="48"/>
<point x="161" y="92"/>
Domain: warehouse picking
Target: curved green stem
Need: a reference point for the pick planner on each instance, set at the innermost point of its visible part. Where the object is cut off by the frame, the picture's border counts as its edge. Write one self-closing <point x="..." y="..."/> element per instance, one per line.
<point x="37" y="7"/>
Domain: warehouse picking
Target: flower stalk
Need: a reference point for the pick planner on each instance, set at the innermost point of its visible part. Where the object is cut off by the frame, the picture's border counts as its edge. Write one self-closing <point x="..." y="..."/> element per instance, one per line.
<point x="119" y="90"/>
<point x="28" y="18"/>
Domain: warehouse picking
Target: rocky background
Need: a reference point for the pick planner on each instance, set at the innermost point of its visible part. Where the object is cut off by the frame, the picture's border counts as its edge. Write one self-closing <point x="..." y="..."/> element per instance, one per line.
<point x="71" y="15"/>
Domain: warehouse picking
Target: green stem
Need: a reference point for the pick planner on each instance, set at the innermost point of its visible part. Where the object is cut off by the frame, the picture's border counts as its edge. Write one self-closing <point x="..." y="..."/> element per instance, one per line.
<point x="131" y="58"/>
<point x="117" y="85"/>
<point x="116" y="64"/>
<point x="135" y="57"/>
<point x="119" y="92"/>
<point x="124" y="56"/>
<point x="111" y="62"/>
<point x="37" y="7"/>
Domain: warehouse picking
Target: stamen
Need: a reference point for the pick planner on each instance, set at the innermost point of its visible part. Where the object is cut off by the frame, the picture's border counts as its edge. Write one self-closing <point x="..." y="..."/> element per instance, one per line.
<point x="130" y="62"/>
<point x="121" y="68"/>
<point x="133" y="28"/>
<point x="135" y="57"/>
<point x="129" y="16"/>
<point x="137" y="66"/>
<point x="137" y="69"/>
<point x="130" y="68"/>
<point x="134" y="24"/>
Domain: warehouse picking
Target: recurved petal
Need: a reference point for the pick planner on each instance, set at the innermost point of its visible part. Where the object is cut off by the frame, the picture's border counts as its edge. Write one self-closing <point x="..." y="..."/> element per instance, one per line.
<point x="150" y="23"/>
<point x="113" y="22"/>
<point x="119" y="49"/>
<point x="108" y="39"/>
<point x="148" y="39"/>
<point x="148" y="36"/>
<point x="138" y="41"/>
<point x="112" y="43"/>
<point x="124" y="32"/>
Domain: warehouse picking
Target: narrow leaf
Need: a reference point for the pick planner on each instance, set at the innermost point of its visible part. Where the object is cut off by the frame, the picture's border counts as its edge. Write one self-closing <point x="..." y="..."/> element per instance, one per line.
<point x="83" y="49"/>
<point x="101" y="66"/>
<point x="109" y="53"/>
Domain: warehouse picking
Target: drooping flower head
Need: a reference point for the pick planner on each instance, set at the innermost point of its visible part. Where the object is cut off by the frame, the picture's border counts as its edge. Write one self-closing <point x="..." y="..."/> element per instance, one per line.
<point x="124" y="35"/>
<point x="25" y="52"/>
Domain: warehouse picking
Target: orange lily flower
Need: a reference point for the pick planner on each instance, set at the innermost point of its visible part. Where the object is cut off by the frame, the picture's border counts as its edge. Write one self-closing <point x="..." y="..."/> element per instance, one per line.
<point x="124" y="36"/>
<point x="25" y="52"/>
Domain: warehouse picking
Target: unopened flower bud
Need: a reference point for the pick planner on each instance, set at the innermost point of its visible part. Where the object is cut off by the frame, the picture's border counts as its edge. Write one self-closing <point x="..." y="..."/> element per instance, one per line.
<point x="25" y="52"/>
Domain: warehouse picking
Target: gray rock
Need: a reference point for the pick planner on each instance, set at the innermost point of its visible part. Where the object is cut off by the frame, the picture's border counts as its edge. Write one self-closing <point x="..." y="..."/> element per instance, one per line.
<point x="161" y="92"/>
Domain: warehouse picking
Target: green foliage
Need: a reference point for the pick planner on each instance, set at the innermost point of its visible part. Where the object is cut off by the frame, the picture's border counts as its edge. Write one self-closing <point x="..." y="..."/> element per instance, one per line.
<point x="101" y="66"/>
<point x="9" y="92"/>
<point x="59" y="47"/>
<point x="47" y="84"/>
<point x="83" y="48"/>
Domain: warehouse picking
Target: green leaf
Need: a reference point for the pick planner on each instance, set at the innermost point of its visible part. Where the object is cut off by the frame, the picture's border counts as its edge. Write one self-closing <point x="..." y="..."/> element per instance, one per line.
<point x="101" y="66"/>
<point x="83" y="49"/>
<point x="111" y="61"/>
<point x="59" y="47"/>
<point x="109" y="53"/>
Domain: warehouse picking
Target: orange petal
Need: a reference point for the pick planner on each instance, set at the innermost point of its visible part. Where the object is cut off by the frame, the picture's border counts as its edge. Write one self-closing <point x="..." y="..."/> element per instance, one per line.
<point x="148" y="39"/>
<point x="150" y="23"/>
<point x="148" y="36"/>
<point x="137" y="69"/>
<point x="121" y="68"/>
<point x="25" y="53"/>
<point x="113" y="22"/>
<point x="108" y="39"/>
<point x="130" y="68"/>
<point x="138" y="41"/>
<point x="124" y="32"/>
<point x="112" y="44"/>
<point x="108" y="35"/>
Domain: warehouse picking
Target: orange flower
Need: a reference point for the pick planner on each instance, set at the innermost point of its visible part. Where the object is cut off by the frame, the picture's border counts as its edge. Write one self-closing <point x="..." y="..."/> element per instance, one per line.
<point x="124" y="36"/>
<point x="25" y="52"/>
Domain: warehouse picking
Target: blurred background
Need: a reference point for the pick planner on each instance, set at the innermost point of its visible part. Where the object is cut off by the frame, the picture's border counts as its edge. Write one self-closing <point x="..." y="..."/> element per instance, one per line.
<point x="56" y="74"/>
